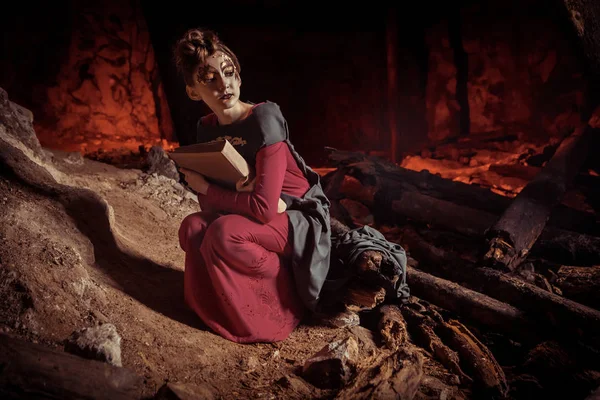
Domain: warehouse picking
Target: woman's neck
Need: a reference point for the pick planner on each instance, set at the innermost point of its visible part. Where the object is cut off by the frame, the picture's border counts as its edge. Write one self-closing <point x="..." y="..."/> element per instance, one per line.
<point x="234" y="114"/>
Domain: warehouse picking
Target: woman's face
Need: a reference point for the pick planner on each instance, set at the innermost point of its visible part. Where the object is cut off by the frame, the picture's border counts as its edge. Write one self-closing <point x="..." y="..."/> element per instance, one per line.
<point x="218" y="82"/>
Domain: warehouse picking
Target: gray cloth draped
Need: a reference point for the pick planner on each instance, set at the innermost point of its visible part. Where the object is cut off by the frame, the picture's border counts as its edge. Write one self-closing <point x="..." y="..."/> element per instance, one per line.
<point x="350" y="245"/>
<point x="310" y="229"/>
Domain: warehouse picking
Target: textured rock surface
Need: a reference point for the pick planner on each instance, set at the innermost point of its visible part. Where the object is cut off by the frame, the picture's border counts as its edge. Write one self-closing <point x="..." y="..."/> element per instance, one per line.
<point x="108" y="93"/>
<point x="522" y="77"/>
<point x="333" y="365"/>
<point x="101" y="343"/>
<point x="17" y="121"/>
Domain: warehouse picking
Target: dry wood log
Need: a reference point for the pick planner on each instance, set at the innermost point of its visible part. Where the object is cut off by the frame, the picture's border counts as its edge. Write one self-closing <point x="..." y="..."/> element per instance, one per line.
<point x="478" y="361"/>
<point x="513" y="235"/>
<point x="353" y="189"/>
<point x="34" y="371"/>
<point x="469" y="304"/>
<point x="392" y="327"/>
<point x="581" y="284"/>
<point x="395" y="375"/>
<point x="421" y="328"/>
<point x="388" y="180"/>
<point x="359" y="298"/>
<point x="488" y="375"/>
<point x="557" y="245"/>
<point x="556" y="314"/>
<point x="474" y="306"/>
<point x="564" y="247"/>
<point x="453" y="345"/>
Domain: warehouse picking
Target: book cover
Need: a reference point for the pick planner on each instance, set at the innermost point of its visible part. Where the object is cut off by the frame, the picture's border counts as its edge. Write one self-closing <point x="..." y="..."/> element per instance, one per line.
<point x="219" y="162"/>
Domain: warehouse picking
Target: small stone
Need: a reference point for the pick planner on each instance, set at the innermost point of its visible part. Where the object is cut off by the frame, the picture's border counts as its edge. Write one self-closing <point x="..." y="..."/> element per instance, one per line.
<point x="343" y="319"/>
<point x="250" y="363"/>
<point x="101" y="343"/>
<point x="333" y="366"/>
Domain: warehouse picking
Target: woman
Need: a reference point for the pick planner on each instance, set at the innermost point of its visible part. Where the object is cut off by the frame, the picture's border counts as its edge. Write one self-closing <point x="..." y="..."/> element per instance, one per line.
<point x="255" y="258"/>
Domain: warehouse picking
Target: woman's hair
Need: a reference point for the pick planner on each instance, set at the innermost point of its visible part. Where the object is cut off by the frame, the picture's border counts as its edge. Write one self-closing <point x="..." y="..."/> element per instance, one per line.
<point x="194" y="47"/>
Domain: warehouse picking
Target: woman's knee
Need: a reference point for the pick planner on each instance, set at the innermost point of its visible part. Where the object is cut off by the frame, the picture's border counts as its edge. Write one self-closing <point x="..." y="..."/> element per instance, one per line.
<point x="225" y="232"/>
<point x="193" y="228"/>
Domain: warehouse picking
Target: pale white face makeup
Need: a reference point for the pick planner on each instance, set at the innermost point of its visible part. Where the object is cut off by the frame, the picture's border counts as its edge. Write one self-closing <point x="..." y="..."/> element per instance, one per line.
<point x="217" y="83"/>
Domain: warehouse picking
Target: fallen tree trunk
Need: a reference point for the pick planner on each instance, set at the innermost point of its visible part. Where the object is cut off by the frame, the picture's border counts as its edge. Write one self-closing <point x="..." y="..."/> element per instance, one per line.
<point x="395" y="375"/>
<point x="392" y="327"/>
<point x="34" y="371"/>
<point x="488" y="377"/>
<point x="384" y="182"/>
<point x="455" y="347"/>
<point x="553" y="244"/>
<point x="581" y="284"/>
<point x="359" y="298"/>
<point x="474" y="306"/>
<point x="566" y="247"/>
<point x="550" y="311"/>
<point x="512" y="236"/>
<point x="479" y="362"/>
<point x="556" y="245"/>
<point x="471" y="305"/>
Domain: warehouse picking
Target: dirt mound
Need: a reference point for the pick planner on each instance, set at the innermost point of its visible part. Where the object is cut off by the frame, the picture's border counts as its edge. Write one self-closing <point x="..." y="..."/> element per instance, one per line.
<point x="89" y="243"/>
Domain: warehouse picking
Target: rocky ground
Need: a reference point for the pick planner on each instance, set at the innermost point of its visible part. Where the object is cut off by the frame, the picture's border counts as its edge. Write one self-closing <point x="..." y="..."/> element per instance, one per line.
<point x="89" y="252"/>
<point x="60" y="273"/>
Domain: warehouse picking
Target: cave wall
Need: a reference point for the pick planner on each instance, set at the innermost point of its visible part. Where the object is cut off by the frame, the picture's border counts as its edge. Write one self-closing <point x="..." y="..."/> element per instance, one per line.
<point x="524" y="68"/>
<point x="327" y="73"/>
<point x="106" y="79"/>
<point x="96" y="87"/>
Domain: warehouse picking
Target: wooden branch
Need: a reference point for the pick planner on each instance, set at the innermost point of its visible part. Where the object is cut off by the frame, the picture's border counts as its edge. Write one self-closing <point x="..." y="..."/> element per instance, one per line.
<point x="581" y="284"/>
<point x="422" y="331"/>
<point x="469" y="304"/>
<point x="359" y="298"/>
<point x="35" y="371"/>
<point x="513" y="235"/>
<point x="455" y="347"/>
<point x="389" y="376"/>
<point x="392" y="327"/>
<point x="556" y="245"/>
<point x="441" y="213"/>
<point x="479" y="362"/>
<point x="564" y="247"/>
<point x="548" y="310"/>
<point x="386" y="182"/>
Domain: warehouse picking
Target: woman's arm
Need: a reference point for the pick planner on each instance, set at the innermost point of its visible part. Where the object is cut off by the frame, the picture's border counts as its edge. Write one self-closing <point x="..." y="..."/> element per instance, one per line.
<point x="260" y="204"/>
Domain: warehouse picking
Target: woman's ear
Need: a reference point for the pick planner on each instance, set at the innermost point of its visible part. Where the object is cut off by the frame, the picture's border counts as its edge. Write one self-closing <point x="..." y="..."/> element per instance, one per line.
<point x="193" y="94"/>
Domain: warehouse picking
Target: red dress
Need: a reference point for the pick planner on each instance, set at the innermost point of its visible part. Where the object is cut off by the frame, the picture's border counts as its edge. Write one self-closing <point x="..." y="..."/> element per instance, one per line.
<point x="237" y="273"/>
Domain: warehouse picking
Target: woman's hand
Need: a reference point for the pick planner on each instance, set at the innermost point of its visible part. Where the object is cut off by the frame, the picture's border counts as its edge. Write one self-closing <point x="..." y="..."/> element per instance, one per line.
<point x="195" y="180"/>
<point x="245" y="184"/>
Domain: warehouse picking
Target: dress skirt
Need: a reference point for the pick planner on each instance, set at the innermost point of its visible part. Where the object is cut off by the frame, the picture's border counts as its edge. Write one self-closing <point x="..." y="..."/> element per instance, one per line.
<point x="237" y="276"/>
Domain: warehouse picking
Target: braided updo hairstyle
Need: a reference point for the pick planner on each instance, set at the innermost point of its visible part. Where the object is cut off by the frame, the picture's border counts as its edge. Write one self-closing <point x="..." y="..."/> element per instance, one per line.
<point x="194" y="47"/>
